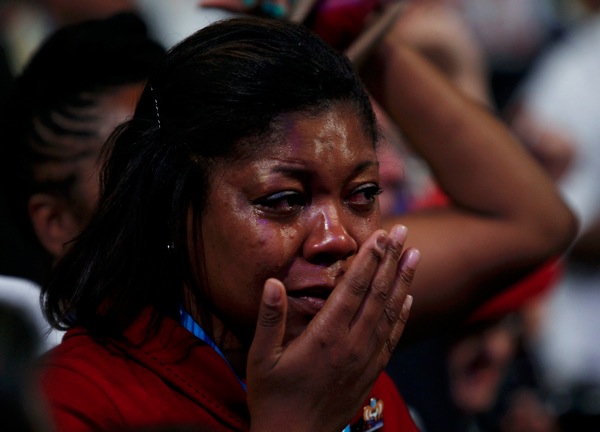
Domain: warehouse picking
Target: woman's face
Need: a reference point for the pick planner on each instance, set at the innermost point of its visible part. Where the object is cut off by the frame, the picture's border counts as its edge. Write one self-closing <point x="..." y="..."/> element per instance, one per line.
<point x="297" y="212"/>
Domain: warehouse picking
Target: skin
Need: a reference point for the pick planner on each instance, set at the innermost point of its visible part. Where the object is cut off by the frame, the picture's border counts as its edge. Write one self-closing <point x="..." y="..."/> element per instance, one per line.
<point x="498" y="195"/>
<point x="311" y="280"/>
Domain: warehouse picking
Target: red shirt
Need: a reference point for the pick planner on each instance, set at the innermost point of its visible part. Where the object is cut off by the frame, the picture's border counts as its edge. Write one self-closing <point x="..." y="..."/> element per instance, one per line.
<point x="170" y="378"/>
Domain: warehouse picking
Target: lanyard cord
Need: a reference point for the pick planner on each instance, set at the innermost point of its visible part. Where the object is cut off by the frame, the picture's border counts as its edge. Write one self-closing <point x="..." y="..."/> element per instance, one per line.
<point x="188" y="322"/>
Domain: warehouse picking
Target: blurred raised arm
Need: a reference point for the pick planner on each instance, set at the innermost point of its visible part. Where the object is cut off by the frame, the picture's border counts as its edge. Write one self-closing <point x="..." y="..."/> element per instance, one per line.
<point x="505" y="215"/>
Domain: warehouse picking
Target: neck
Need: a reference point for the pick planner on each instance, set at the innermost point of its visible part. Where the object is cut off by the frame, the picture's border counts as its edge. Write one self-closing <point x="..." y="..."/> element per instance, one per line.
<point x="227" y="342"/>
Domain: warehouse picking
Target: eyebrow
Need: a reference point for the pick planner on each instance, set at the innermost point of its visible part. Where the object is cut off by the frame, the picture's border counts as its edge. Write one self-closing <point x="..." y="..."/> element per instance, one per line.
<point x="365" y="165"/>
<point x="292" y="170"/>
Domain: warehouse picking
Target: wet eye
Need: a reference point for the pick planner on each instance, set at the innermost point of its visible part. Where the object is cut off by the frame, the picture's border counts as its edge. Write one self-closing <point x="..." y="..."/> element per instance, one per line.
<point x="364" y="197"/>
<point x="283" y="203"/>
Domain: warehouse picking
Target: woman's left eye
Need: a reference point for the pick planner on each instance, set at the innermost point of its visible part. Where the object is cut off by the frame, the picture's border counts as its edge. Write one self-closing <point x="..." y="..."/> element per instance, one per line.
<point x="364" y="197"/>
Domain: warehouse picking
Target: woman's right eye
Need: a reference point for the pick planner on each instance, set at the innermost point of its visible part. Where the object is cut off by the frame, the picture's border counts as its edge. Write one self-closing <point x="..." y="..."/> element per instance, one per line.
<point x="284" y="203"/>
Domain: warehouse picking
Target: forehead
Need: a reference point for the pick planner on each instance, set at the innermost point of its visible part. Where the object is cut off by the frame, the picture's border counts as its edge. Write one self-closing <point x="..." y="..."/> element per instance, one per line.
<point x="314" y="129"/>
<point x="334" y="138"/>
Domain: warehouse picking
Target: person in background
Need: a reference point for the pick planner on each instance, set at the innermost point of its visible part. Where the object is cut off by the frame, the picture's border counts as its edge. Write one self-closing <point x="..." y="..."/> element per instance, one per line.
<point x="82" y="82"/>
<point x="478" y="376"/>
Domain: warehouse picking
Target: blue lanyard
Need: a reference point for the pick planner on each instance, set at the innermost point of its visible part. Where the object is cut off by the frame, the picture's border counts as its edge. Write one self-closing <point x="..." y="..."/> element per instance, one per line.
<point x="188" y="322"/>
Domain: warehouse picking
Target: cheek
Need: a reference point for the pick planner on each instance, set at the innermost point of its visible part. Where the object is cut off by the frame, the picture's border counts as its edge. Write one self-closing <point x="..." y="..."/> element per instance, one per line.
<point x="363" y="227"/>
<point x="270" y="250"/>
<point x="240" y="254"/>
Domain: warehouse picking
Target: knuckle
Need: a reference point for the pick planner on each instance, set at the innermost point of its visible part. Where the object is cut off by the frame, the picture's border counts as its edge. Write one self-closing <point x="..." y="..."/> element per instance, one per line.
<point x="358" y="285"/>
<point x="270" y="318"/>
<point x="395" y="249"/>
<point x="375" y="255"/>
<point x="380" y="292"/>
<point x="391" y="316"/>
<point x="406" y="276"/>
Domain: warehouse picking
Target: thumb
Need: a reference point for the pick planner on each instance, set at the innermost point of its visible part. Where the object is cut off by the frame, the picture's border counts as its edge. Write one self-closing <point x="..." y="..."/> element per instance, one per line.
<point x="270" y="325"/>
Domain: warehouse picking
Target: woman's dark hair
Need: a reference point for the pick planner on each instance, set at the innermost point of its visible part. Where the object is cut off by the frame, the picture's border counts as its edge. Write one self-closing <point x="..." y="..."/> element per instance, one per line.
<point x="46" y="117"/>
<point x="210" y="99"/>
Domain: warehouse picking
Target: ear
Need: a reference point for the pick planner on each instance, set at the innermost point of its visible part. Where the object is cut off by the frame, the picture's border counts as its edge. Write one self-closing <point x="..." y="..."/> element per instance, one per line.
<point x="53" y="222"/>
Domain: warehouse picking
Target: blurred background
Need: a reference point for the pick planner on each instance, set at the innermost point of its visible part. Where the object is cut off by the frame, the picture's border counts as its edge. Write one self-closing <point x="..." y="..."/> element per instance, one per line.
<point x="539" y="72"/>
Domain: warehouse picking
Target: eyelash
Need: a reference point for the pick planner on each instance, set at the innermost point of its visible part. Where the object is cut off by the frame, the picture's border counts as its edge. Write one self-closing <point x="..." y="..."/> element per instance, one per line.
<point x="370" y="191"/>
<point x="287" y="203"/>
<point x="273" y="203"/>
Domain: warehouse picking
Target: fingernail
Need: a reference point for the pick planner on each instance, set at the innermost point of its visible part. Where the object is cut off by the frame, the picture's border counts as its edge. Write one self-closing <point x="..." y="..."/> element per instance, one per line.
<point x="413" y="256"/>
<point x="399" y="233"/>
<point x="272" y="293"/>
<point x="273" y="9"/>
<point x="408" y="301"/>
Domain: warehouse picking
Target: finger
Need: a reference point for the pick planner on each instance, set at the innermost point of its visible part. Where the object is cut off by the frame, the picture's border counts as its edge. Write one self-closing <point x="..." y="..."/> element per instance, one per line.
<point x="380" y="301"/>
<point x="395" y="315"/>
<point x="347" y="298"/>
<point x="392" y="342"/>
<point x="270" y="326"/>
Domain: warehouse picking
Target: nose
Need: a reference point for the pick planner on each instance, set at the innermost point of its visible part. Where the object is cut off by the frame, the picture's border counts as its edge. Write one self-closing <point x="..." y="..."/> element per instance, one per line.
<point x="328" y="239"/>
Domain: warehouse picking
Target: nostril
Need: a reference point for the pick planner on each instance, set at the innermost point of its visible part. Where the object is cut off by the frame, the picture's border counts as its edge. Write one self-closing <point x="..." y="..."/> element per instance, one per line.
<point x="323" y="259"/>
<point x="328" y="258"/>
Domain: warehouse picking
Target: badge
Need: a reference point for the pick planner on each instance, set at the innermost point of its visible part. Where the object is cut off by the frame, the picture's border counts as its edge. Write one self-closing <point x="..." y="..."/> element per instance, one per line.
<point x="372" y="417"/>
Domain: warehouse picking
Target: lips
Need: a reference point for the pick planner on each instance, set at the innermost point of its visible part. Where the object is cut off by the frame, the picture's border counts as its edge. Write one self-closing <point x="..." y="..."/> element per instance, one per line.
<point x="309" y="286"/>
<point x="308" y="301"/>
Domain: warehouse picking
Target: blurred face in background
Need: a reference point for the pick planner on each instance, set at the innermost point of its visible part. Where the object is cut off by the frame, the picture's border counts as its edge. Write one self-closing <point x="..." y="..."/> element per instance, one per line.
<point x="478" y="362"/>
